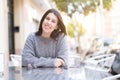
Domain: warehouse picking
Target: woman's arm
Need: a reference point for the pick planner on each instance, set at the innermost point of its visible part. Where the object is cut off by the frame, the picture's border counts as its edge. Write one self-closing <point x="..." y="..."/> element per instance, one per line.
<point x="62" y="50"/>
<point x="29" y="56"/>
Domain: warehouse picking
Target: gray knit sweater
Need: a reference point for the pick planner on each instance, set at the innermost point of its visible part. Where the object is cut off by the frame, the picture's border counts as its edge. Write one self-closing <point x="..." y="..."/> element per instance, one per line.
<point x="42" y="52"/>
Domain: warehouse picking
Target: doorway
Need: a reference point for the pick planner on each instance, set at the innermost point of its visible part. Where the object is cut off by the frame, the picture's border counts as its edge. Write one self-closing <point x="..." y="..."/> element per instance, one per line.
<point x="11" y="26"/>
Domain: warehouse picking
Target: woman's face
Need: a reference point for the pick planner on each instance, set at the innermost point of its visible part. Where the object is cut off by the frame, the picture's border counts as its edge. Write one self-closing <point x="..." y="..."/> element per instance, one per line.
<point x="49" y="23"/>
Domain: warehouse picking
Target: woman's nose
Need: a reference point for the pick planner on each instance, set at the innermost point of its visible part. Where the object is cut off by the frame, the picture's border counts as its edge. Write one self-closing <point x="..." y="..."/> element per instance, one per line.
<point x="49" y="22"/>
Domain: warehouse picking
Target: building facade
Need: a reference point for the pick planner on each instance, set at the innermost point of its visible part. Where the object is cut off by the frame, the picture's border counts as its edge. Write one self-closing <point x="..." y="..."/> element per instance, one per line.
<point x="18" y="19"/>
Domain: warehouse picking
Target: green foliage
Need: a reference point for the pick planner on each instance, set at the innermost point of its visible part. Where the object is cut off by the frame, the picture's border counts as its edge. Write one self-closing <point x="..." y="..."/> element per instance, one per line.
<point x="107" y="4"/>
<point x="82" y="6"/>
<point x="61" y="5"/>
<point x="75" y="27"/>
<point x="81" y="29"/>
<point x="71" y="29"/>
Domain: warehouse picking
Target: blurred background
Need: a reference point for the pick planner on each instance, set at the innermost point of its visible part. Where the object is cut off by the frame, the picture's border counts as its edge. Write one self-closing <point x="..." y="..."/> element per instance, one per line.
<point x="86" y="21"/>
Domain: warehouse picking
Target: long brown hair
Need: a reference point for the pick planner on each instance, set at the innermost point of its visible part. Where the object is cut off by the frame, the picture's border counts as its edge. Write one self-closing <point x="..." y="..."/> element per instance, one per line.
<point x="61" y="26"/>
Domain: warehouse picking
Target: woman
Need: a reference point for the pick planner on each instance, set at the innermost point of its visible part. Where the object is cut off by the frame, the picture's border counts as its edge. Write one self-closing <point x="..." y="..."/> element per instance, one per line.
<point x="47" y="47"/>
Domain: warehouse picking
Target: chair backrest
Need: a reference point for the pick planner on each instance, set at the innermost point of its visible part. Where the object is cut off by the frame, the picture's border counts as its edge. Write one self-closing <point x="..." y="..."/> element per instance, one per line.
<point x="112" y="77"/>
<point x="101" y="62"/>
<point x="16" y="59"/>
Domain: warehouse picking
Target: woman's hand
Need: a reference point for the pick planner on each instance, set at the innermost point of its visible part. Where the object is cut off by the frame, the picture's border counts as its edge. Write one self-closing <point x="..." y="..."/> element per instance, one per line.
<point x="58" y="62"/>
<point x="29" y="67"/>
<point x="58" y="70"/>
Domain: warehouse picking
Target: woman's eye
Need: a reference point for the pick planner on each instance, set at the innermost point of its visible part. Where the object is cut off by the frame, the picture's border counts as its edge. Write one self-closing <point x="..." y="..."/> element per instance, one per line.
<point x="53" y="21"/>
<point x="47" y="18"/>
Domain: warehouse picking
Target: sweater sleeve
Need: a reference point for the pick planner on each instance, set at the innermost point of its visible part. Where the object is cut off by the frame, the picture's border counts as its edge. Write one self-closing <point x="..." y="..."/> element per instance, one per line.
<point x="62" y="50"/>
<point x="29" y="56"/>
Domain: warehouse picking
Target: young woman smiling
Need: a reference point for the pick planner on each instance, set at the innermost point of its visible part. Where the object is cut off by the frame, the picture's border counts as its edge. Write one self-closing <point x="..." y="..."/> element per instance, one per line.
<point x="47" y="47"/>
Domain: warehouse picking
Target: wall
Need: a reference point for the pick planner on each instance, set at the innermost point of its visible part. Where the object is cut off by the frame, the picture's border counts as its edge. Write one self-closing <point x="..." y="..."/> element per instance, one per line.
<point x="18" y="21"/>
<point x="23" y="17"/>
<point x="4" y="34"/>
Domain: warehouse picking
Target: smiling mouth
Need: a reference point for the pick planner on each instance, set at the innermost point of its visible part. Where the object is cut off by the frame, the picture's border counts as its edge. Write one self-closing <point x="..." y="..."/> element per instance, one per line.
<point x="47" y="27"/>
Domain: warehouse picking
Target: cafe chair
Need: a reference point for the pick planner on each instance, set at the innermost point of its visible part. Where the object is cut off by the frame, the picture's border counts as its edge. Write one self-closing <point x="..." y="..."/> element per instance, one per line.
<point x="114" y="77"/>
<point x="16" y="59"/>
<point x="101" y="62"/>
